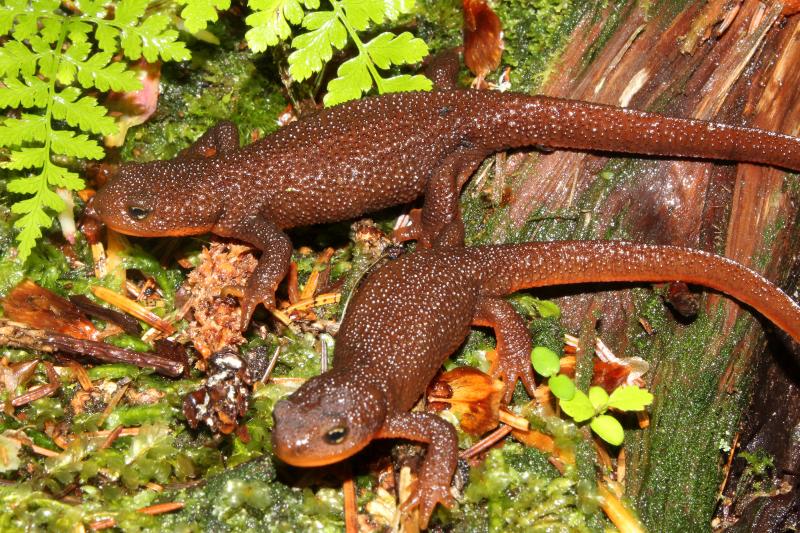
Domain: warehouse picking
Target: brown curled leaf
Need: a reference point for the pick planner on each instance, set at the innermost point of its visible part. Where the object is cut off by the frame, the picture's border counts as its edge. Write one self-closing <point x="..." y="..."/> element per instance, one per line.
<point x="483" y="39"/>
<point x="472" y="395"/>
<point x="40" y="308"/>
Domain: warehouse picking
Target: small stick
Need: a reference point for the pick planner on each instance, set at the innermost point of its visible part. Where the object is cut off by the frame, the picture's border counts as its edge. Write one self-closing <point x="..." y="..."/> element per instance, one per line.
<point x="291" y="284"/>
<point x="81" y="375"/>
<point x="128" y="324"/>
<point x="125" y="432"/>
<point x="103" y="524"/>
<point x="161" y="508"/>
<point x="271" y="367"/>
<point x="323" y="364"/>
<point x="133" y="308"/>
<point x="619" y="515"/>
<point x="308" y="303"/>
<point x="151" y="510"/>
<point x="111" y="437"/>
<point x="487" y="442"/>
<point x="22" y="336"/>
<point x="350" y="509"/>
<point x="728" y="465"/>
<point x="34" y="448"/>
<point x="112" y="404"/>
<point x="35" y="394"/>
<point x="515" y="421"/>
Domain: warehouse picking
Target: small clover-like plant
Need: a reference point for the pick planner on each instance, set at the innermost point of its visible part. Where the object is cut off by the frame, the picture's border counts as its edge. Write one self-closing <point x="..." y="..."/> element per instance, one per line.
<point x="594" y="405"/>
<point x="53" y="61"/>
<point x="329" y="30"/>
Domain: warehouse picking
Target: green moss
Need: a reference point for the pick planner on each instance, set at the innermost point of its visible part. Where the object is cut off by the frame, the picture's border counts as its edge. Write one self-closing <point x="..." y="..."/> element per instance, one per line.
<point x="535" y="32"/>
<point x="222" y="84"/>
<point x="248" y="498"/>
<point x="674" y="464"/>
<point x="516" y="489"/>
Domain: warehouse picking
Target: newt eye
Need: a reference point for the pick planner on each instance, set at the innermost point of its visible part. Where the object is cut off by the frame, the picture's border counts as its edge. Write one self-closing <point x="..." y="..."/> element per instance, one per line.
<point x="335" y="435"/>
<point x="138" y="213"/>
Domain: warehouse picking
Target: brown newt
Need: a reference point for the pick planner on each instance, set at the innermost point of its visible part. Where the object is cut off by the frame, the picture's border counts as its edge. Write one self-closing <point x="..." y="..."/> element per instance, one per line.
<point x="377" y="152"/>
<point x="412" y="313"/>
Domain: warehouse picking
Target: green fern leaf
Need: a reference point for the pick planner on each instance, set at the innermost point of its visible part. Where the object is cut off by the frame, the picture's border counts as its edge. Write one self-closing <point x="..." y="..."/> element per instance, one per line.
<point x="49" y="55"/>
<point x="78" y="31"/>
<point x="388" y="49"/>
<point x="84" y="113"/>
<point x="128" y="12"/>
<point x="26" y="157"/>
<point x="6" y="20"/>
<point x="44" y="198"/>
<point x="270" y="21"/>
<point x="315" y="47"/>
<point x="106" y="37"/>
<point x="65" y="142"/>
<point x="27" y="24"/>
<point x="353" y="79"/>
<point x="30" y="94"/>
<point x="16" y="58"/>
<point x="97" y="72"/>
<point x="405" y="83"/>
<point x="27" y="128"/>
<point x="394" y="8"/>
<point x="361" y="12"/>
<point x="61" y="177"/>
<point x="31" y="225"/>
<point x="198" y="13"/>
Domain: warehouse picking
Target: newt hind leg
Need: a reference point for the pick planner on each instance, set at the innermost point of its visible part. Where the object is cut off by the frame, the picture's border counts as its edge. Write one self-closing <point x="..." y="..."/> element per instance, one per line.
<point x="441" y="218"/>
<point x="221" y="138"/>
<point x="513" y="360"/>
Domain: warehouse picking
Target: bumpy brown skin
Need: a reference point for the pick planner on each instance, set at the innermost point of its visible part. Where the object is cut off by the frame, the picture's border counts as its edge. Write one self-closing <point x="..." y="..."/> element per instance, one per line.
<point x="411" y="314"/>
<point x="373" y="153"/>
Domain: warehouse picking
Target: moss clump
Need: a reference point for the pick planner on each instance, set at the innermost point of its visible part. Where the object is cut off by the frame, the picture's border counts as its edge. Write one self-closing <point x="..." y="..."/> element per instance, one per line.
<point x="249" y="498"/>
<point x="535" y="31"/>
<point x="516" y="489"/>
<point x="677" y="458"/>
<point x="221" y="83"/>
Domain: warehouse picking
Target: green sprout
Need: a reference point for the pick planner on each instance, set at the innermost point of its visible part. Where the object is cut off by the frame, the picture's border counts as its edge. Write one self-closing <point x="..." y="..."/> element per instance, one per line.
<point x="52" y="63"/>
<point x="594" y="405"/>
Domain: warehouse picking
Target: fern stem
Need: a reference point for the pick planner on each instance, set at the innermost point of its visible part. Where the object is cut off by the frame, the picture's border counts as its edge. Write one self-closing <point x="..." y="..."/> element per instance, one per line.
<point x="339" y="10"/>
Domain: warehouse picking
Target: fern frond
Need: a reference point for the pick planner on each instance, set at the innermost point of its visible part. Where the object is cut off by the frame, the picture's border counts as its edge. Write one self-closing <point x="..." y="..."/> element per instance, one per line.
<point x="331" y="30"/>
<point x="47" y="62"/>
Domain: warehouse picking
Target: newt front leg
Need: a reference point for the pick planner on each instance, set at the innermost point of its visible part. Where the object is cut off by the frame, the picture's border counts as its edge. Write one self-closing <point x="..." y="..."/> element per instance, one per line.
<point x="439" y="464"/>
<point x="276" y="252"/>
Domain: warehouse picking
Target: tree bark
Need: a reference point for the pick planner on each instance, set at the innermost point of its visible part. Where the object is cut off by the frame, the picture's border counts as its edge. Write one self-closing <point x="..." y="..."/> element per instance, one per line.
<point x="734" y="61"/>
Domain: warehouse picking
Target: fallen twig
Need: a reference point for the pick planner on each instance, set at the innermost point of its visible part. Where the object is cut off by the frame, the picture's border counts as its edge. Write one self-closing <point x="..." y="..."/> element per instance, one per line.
<point x="22" y="336"/>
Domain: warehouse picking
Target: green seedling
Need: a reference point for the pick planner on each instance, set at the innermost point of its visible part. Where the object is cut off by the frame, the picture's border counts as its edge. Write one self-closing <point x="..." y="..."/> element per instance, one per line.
<point x="594" y="405"/>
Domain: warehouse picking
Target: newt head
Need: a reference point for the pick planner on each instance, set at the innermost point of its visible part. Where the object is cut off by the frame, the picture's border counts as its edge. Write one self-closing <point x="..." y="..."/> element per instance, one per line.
<point x="158" y="199"/>
<point x="327" y="420"/>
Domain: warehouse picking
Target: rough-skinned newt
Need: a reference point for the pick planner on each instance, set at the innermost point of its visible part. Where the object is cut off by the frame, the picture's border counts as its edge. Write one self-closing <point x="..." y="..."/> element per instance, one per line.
<point x="369" y="154"/>
<point x="411" y="314"/>
<point x="377" y="152"/>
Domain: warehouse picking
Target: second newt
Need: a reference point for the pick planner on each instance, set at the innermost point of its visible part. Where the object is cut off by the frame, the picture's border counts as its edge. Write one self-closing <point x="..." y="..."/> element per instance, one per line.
<point x="411" y="314"/>
<point x="386" y="150"/>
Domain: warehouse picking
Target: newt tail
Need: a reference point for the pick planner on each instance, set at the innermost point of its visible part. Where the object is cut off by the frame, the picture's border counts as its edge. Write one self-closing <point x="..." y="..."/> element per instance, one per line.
<point x="509" y="268"/>
<point x="520" y="120"/>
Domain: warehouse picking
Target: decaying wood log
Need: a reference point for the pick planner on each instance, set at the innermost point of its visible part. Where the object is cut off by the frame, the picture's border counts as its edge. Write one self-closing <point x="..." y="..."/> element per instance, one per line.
<point x="736" y="61"/>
